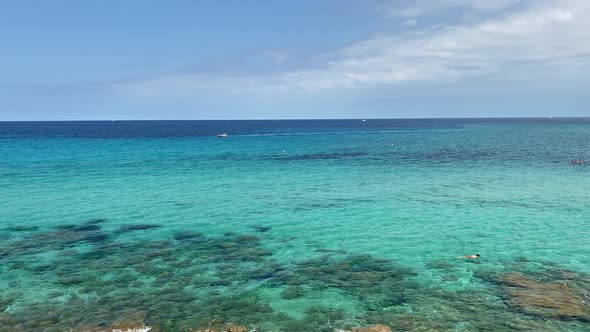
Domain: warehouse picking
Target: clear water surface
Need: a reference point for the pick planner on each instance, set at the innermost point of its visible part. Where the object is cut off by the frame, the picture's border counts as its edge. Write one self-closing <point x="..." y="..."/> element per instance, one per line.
<point x="291" y="225"/>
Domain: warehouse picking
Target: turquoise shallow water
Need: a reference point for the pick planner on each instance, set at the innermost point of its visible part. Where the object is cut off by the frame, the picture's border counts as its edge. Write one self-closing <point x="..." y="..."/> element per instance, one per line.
<point x="300" y="226"/>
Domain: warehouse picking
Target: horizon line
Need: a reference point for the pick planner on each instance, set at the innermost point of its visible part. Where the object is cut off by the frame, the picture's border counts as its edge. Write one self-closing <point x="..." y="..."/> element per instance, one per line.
<point x="311" y="119"/>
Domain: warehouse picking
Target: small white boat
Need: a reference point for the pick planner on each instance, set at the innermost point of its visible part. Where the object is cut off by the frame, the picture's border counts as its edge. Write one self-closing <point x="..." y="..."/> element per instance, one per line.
<point x="223" y="135"/>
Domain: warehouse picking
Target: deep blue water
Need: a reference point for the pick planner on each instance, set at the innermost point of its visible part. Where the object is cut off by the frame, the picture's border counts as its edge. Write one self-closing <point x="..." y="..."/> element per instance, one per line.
<point x="144" y="129"/>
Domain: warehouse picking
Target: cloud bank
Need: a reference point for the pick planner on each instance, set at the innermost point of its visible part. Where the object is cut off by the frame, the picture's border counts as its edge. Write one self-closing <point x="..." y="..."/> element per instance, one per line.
<point x="418" y="8"/>
<point x="541" y="37"/>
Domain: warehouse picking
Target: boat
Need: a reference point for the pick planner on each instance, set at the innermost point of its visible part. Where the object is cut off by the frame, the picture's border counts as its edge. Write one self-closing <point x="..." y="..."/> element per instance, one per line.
<point x="223" y="135"/>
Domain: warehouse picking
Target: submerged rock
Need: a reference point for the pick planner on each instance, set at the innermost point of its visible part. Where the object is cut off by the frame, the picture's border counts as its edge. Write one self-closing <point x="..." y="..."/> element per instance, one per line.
<point x="372" y="328"/>
<point x="545" y="299"/>
<point x="247" y="238"/>
<point x="227" y="328"/>
<point x="116" y="328"/>
<point x="234" y="328"/>
<point x="130" y="321"/>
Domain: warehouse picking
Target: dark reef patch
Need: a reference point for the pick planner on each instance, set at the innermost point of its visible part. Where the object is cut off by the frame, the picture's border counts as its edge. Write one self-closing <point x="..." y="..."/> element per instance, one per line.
<point x="262" y="229"/>
<point x="165" y="280"/>
<point x="247" y="238"/>
<point x="66" y="226"/>
<point x="138" y="227"/>
<point x="78" y="228"/>
<point x="270" y="272"/>
<point x="38" y="243"/>
<point x="86" y="228"/>
<point x="440" y="156"/>
<point x="357" y="275"/>
<point x="292" y="292"/>
<point x="188" y="236"/>
<point x="193" y="281"/>
<point x="22" y="228"/>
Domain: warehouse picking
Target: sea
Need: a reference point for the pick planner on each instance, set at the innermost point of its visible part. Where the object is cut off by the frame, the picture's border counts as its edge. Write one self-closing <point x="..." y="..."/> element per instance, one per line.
<point x="296" y="225"/>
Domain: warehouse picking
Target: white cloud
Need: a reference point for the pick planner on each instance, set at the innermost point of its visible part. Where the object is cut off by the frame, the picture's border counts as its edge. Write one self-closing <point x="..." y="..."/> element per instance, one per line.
<point x="548" y="38"/>
<point x="416" y="8"/>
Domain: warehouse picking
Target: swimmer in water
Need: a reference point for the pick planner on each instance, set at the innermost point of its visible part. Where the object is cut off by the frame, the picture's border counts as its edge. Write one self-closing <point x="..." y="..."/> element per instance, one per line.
<point x="470" y="256"/>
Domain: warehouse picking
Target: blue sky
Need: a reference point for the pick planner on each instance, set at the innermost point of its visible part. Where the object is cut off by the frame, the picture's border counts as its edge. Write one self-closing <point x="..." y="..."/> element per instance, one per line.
<point x="69" y="60"/>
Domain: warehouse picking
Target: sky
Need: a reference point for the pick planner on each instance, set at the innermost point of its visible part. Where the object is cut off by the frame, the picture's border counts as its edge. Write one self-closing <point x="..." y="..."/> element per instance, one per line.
<point x="304" y="59"/>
